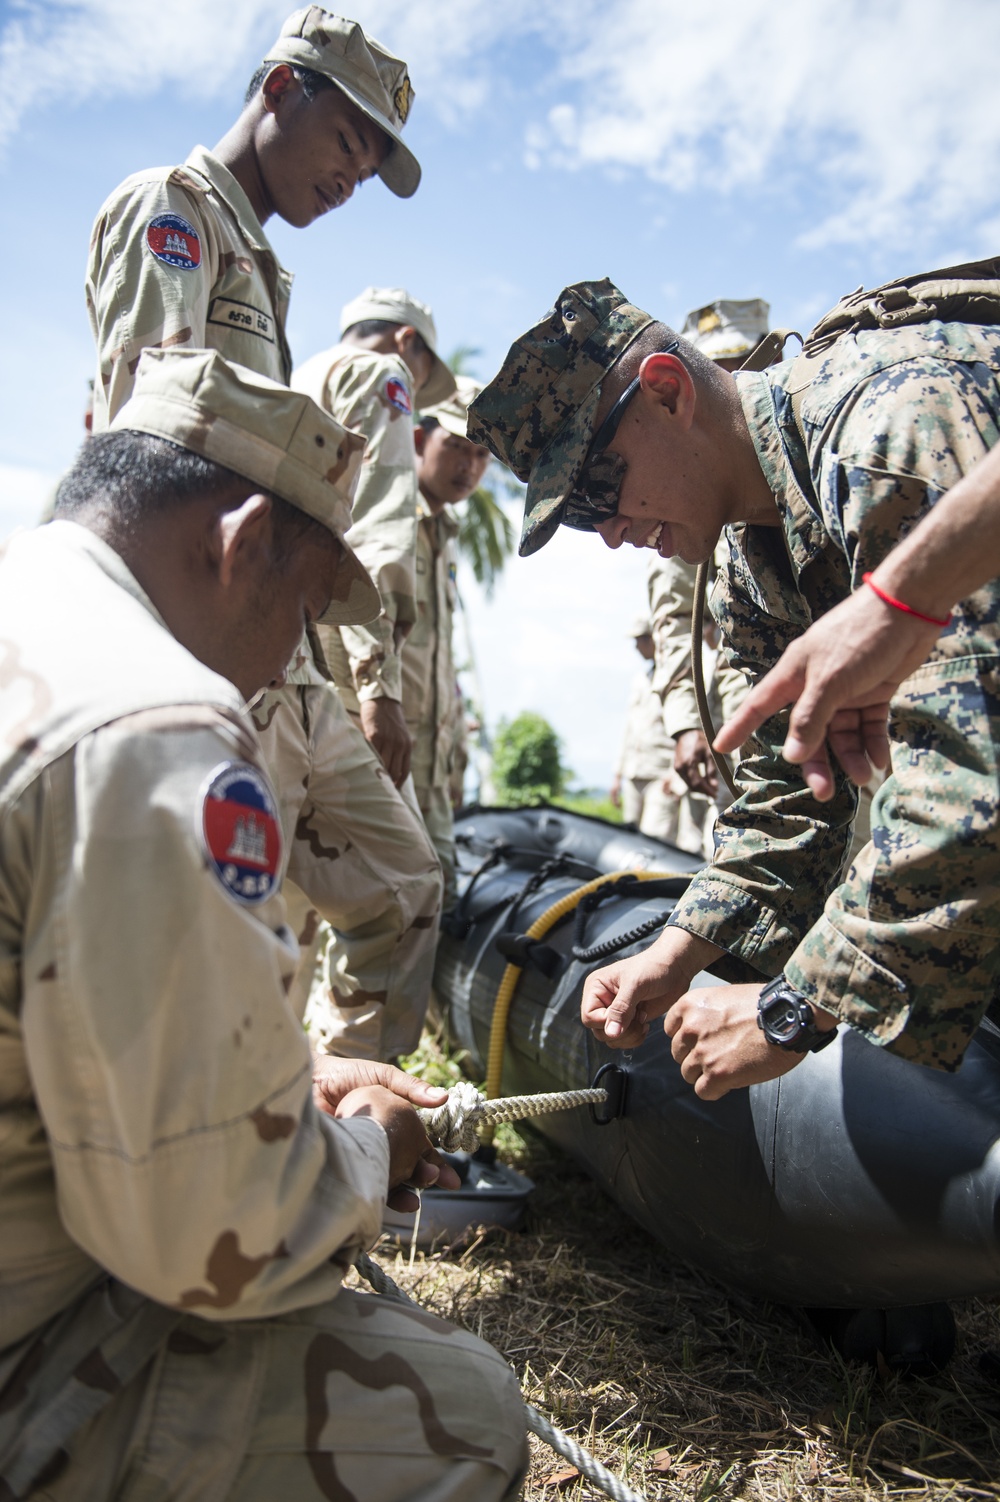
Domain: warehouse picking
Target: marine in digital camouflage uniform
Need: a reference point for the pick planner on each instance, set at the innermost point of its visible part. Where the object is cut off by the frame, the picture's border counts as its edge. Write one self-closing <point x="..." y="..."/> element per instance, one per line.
<point x="903" y="943"/>
<point x="392" y="905"/>
<point x="178" y="1211"/>
<point x="449" y="469"/>
<point x="179" y="258"/>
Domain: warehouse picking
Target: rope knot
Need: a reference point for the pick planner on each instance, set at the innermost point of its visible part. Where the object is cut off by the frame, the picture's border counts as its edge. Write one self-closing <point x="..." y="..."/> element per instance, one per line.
<point x="454" y="1125"/>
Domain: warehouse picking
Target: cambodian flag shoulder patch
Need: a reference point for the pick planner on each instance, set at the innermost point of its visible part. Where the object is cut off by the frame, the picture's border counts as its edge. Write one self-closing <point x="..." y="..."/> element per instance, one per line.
<point x="240" y="833"/>
<point x="397" y="395"/>
<point x="174" y="241"/>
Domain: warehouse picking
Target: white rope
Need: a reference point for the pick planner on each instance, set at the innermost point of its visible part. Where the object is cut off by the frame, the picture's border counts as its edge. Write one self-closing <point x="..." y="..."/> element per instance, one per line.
<point x="454" y="1125"/>
<point x="563" y="1444"/>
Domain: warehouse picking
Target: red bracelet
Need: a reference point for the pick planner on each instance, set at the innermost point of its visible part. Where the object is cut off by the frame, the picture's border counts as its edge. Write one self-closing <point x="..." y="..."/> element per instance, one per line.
<point x="898" y="604"/>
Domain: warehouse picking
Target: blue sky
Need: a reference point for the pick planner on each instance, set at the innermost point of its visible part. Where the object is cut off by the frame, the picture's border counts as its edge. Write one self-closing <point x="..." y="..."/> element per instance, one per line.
<point x="789" y="149"/>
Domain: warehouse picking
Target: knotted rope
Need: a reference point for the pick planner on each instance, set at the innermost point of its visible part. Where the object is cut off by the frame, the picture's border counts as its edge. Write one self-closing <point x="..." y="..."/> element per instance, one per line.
<point x="562" y="1443"/>
<point x="455" y="1125"/>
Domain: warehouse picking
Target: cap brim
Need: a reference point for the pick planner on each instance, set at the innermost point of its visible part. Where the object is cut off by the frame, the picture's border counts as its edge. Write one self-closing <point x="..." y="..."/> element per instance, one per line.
<point x="439" y="385"/>
<point x="554" y="474"/>
<point x="400" y="171"/>
<point x="451" y="424"/>
<point x="354" y="597"/>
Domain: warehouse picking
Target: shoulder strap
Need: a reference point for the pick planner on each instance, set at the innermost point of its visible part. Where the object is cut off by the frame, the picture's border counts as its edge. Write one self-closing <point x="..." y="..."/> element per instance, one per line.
<point x="969" y="293"/>
<point x="770" y="349"/>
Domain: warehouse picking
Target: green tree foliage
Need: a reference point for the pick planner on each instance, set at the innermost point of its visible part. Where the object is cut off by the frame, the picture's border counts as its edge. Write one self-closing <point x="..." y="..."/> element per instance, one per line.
<point x="527" y="761"/>
<point x="486" y="534"/>
<point x="485" y="537"/>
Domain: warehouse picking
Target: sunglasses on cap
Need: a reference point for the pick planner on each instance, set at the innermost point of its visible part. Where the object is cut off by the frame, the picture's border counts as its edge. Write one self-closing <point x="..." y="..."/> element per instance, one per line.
<point x="594" y="497"/>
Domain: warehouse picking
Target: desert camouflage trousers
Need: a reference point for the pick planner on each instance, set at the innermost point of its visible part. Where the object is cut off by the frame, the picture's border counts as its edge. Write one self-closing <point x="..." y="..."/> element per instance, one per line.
<point x="361" y="1399"/>
<point x="358" y="856"/>
<point x="439" y="818"/>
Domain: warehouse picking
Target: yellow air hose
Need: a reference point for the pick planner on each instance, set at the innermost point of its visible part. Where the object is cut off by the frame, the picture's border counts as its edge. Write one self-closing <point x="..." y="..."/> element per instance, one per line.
<point x="512" y="974"/>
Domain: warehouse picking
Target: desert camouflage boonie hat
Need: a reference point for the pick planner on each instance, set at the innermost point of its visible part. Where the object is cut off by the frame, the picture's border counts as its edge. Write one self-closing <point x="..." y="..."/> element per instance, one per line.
<point x="537" y="414"/>
<point x="453" y="414"/>
<point x="396" y="305"/>
<point x="372" y="78"/>
<point x="276" y="438"/>
<point x="726" y="329"/>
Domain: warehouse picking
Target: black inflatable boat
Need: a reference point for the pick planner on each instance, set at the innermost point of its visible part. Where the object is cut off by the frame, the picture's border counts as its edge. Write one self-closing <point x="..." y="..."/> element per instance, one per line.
<point x="857" y="1180"/>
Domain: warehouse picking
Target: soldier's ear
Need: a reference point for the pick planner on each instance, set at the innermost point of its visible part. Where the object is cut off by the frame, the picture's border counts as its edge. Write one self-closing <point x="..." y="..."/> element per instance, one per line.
<point x="279" y="84"/>
<point x="667" y="383"/>
<point x="238" y="536"/>
<point x="419" y="438"/>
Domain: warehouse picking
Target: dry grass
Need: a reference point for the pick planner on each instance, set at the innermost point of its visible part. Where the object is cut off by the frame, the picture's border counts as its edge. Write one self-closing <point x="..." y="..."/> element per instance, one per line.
<point x="686" y="1388"/>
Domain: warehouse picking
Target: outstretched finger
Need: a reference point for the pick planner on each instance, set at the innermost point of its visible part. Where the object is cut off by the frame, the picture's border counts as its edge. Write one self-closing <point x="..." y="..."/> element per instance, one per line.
<point x="819" y="777"/>
<point x="875" y="730"/>
<point x="809" y="723"/>
<point x="776" y="689"/>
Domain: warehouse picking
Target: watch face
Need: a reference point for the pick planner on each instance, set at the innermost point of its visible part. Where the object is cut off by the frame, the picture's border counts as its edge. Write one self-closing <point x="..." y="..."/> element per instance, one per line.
<point x="783" y="1019"/>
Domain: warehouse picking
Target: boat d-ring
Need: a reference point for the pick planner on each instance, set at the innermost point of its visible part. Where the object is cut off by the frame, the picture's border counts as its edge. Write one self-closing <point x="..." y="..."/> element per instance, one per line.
<point x="614" y="1079"/>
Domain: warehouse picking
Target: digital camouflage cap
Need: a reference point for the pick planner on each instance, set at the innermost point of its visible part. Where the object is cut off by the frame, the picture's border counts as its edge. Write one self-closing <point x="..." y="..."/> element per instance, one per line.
<point x="537" y="414"/>
<point x="275" y="438"/>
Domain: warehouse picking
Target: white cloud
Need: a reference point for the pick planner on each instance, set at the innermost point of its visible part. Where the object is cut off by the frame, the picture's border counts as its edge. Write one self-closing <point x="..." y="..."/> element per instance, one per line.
<point x="891" y="105"/>
<point x="888" y="103"/>
<point x="61" y="50"/>
<point x="75" y="49"/>
<point x="554" y="639"/>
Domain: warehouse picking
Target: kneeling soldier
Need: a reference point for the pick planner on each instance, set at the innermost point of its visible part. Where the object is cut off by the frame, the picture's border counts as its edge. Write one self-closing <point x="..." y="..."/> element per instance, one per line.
<point x="179" y="1196"/>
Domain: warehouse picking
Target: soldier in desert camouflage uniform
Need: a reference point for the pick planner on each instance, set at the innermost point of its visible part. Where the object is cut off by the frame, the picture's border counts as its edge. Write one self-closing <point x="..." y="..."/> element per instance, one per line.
<point x="726" y="331"/>
<point x="449" y="468"/>
<point x="179" y="1199"/>
<point x="644" y="786"/>
<point x="179" y="258"/>
<point x="385" y="365"/>
<point x="621" y="428"/>
<point x="368" y="382"/>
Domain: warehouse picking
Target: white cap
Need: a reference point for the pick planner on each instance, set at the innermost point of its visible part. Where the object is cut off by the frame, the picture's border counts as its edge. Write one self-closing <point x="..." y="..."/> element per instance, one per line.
<point x="395" y="305"/>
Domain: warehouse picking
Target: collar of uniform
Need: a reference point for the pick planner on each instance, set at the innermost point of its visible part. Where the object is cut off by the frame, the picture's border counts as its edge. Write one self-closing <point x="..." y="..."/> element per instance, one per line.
<point x="82" y="540"/>
<point x="447" y="520"/>
<point x="228" y="188"/>
<point x="804" y="534"/>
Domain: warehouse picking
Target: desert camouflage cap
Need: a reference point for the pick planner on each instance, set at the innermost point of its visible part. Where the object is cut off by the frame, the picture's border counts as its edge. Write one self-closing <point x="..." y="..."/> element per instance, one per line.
<point x="453" y="414"/>
<point x="396" y="305"/>
<point x="377" y="82"/>
<point x="537" y="414"/>
<point x="641" y="626"/>
<point x="276" y="438"/>
<point x="726" y="329"/>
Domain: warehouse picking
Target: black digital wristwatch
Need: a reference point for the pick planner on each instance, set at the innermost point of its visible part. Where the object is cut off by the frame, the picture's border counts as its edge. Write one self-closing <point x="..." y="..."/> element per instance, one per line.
<point x="786" y="1019"/>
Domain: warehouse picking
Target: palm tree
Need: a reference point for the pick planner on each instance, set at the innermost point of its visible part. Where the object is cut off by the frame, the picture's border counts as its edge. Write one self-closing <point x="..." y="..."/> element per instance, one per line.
<point x="486" y="534"/>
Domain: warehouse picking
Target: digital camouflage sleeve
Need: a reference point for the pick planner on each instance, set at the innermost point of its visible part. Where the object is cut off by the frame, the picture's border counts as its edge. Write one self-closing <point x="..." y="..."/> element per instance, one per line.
<point x="904" y="944"/>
